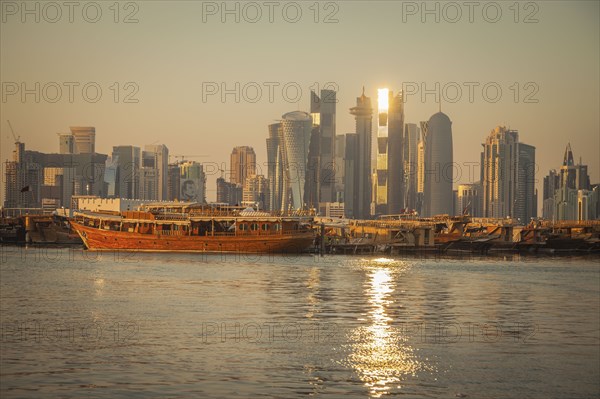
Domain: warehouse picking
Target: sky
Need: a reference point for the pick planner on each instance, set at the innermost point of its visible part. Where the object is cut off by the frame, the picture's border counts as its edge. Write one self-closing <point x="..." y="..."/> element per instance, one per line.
<point x="203" y="77"/>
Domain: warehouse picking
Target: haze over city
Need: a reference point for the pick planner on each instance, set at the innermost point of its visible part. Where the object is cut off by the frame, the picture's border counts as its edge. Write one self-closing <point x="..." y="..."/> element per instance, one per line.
<point x="168" y="54"/>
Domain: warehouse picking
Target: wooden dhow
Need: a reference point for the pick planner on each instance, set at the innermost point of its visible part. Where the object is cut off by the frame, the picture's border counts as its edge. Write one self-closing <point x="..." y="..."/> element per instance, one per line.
<point x="191" y="227"/>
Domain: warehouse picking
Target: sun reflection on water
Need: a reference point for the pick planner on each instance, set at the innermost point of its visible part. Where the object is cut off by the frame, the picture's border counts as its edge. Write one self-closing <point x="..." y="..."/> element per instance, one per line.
<point x="380" y="353"/>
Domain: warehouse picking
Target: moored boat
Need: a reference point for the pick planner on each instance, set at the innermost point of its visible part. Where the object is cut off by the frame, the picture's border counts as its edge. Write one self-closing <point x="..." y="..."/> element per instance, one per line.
<point x="189" y="227"/>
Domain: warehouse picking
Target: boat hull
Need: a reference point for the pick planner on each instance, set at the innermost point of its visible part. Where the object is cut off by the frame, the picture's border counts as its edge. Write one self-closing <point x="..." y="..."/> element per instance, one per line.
<point x="106" y="240"/>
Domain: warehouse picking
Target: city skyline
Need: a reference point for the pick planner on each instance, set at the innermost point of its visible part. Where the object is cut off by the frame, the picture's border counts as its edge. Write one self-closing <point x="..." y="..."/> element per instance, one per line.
<point x="171" y="108"/>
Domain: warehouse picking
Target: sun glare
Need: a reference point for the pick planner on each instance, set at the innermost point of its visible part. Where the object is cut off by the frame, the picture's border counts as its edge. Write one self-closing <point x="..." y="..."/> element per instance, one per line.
<point x="382" y="100"/>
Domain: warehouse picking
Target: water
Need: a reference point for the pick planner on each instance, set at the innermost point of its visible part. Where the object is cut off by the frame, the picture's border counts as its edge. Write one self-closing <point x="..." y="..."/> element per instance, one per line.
<point x="79" y="324"/>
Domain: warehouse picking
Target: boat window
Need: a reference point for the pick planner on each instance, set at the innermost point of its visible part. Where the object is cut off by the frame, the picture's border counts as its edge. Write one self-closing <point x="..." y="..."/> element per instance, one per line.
<point x="265" y="227"/>
<point x="243" y="227"/>
<point x="254" y="226"/>
<point x="276" y="227"/>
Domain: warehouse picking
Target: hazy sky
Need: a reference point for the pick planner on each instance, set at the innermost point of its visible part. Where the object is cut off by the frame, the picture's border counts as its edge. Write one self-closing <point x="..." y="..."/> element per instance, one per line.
<point x="178" y="50"/>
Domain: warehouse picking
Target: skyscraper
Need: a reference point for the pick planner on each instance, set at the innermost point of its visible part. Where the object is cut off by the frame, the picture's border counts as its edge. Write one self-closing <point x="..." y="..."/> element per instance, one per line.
<point x="357" y="185"/>
<point x="419" y="207"/>
<point x="256" y="192"/>
<point x="438" y="168"/>
<point x="243" y="164"/>
<point x="323" y="110"/>
<point x="192" y="182"/>
<point x="411" y="149"/>
<point x="396" y="149"/>
<point x="160" y="155"/>
<point x="380" y="176"/>
<point x="84" y="139"/>
<point x="568" y="194"/>
<point x="508" y="178"/>
<point x="294" y="138"/>
<point x="127" y="158"/>
<point x="275" y="167"/>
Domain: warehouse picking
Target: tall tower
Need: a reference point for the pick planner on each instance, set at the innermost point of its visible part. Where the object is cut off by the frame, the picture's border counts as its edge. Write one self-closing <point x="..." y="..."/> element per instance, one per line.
<point x="160" y="160"/>
<point x="84" y="139"/>
<point x="358" y="176"/>
<point x="275" y="167"/>
<point x="411" y="140"/>
<point x="243" y="164"/>
<point x="508" y="177"/>
<point x="396" y="176"/>
<point x="294" y="137"/>
<point x="127" y="158"/>
<point x="438" y="173"/>
<point x="323" y="110"/>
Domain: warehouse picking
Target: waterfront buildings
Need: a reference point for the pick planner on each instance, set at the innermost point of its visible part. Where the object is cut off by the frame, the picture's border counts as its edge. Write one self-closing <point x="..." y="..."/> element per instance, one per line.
<point x="438" y="166"/>
<point x="34" y="178"/>
<point x="410" y="156"/>
<point x="229" y="193"/>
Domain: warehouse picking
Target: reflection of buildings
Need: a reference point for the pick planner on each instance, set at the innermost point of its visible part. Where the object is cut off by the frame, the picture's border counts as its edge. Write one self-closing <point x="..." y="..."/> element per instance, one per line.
<point x="357" y="165"/>
<point x="192" y="182"/>
<point x="568" y="195"/>
<point x="438" y="167"/>
<point x="508" y="176"/>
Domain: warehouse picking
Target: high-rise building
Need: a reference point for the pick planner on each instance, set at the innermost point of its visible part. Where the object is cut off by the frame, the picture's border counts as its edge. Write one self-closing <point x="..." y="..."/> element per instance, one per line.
<point x="419" y="206"/>
<point x="82" y="174"/>
<point x="411" y="149"/>
<point x="508" y="176"/>
<point x="551" y="184"/>
<point x="65" y="143"/>
<point x="148" y="177"/>
<point x="526" y="205"/>
<point x="229" y="193"/>
<point x="340" y="153"/>
<point x="256" y="192"/>
<point x="568" y="194"/>
<point x="469" y="199"/>
<point x="84" y="139"/>
<point x="396" y="149"/>
<point x="160" y="155"/>
<point x="351" y="192"/>
<point x="192" y="182"/>
<point x="294" y="138"/>
<point x="275" y="166"/>
<point x="438" y="166"/>
<point x="379" y="204"/>
<point x="323" y="110"/>
<point x="358" y="166"/>
<point x="127" y="158"/>
<point x="173" y="182"/>
<point x="243" y="164"/>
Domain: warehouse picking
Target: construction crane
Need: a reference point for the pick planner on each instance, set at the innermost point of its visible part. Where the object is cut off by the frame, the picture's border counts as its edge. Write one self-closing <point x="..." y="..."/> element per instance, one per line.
<point x="17" y="138"/>
<point x="183" y="157"/>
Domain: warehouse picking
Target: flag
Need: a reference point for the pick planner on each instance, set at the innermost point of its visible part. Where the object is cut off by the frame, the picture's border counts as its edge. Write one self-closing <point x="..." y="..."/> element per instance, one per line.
<point x="25" y="189"/>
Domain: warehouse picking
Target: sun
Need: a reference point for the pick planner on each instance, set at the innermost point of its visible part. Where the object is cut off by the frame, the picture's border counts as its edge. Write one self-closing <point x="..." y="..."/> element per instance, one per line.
<point x="382" y="100"/>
